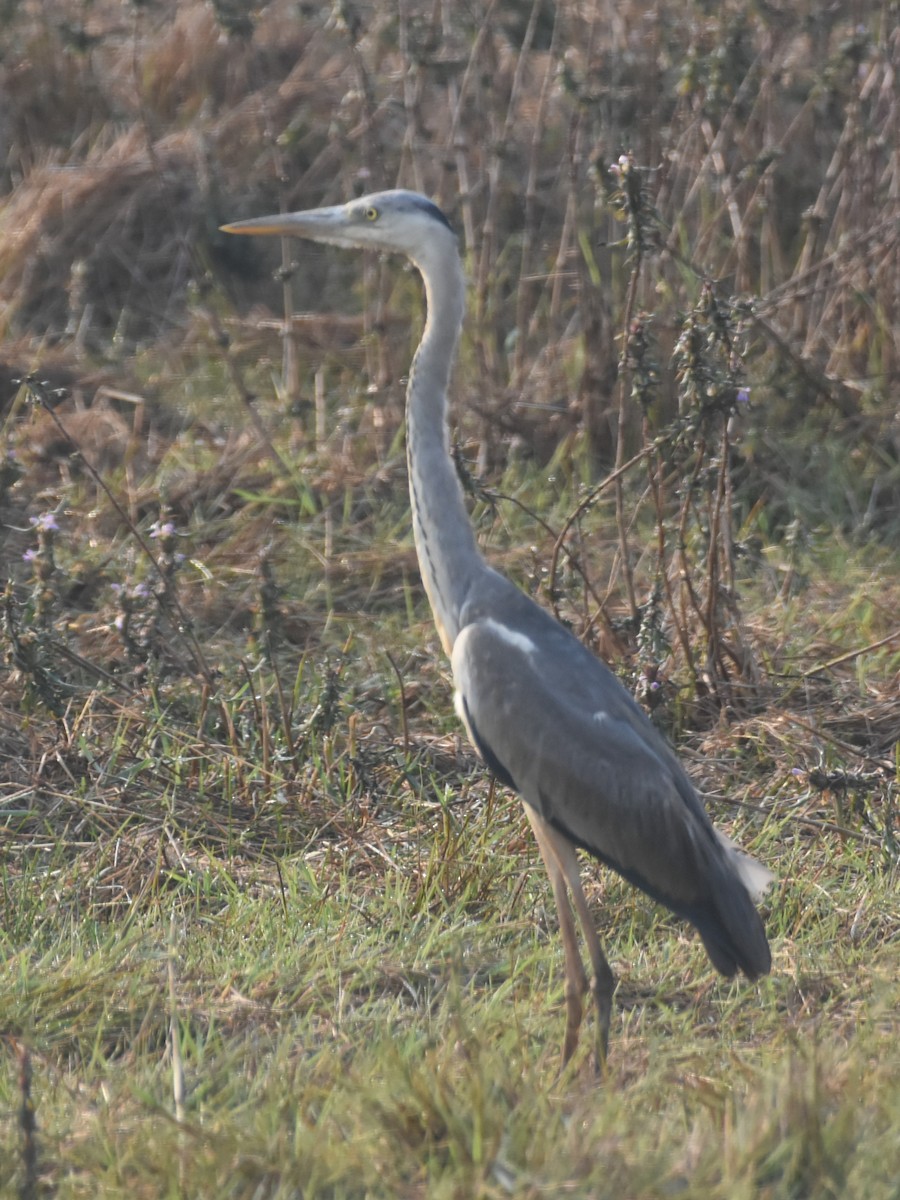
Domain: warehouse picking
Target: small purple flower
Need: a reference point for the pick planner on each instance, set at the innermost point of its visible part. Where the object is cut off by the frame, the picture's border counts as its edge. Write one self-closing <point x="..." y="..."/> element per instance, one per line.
<point x="161" y="529"/>
<point x="743" y="395"/>
<point x="45" y="523"/>
<point x="30" y="556"/>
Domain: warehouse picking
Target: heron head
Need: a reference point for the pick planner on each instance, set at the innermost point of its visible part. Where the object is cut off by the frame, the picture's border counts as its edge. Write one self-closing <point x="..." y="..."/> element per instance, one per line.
<point x="397" y="220"/>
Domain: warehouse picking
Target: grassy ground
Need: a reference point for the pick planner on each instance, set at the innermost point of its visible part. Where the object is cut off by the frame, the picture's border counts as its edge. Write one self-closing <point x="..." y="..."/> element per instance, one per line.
<point x="268" y="930"/>
<point x="300" y="878"/>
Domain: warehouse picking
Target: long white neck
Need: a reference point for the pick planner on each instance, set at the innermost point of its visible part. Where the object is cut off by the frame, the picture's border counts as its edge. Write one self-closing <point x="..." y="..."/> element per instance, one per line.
<point x="445" y="543"/>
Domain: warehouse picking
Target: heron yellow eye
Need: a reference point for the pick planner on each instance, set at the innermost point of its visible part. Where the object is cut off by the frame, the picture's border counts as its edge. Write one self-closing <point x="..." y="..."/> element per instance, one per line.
<point x="371" y="214"/>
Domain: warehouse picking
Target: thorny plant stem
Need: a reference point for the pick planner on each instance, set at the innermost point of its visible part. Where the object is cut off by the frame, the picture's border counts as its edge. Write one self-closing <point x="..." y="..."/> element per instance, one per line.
<point x="613" y="479"/>
<point x="624" y="376"/>
<point x="657" y="489"/>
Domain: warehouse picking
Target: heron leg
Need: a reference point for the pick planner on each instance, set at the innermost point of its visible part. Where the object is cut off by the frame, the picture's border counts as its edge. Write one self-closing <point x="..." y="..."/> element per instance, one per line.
<point x="604" y="982"/>
<point x="576" y="979"/>
<point x="562" y="867"/>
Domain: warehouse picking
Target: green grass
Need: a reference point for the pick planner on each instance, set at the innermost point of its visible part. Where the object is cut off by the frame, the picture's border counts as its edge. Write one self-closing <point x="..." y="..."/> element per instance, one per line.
<point x="281" y="848"/>
<point x="343" y="1039"/>
<point x="354" y="941"/>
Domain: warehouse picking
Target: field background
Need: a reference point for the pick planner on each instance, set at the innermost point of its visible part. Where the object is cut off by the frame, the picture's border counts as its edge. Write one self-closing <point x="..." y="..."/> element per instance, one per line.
<point x="268" y="929"/>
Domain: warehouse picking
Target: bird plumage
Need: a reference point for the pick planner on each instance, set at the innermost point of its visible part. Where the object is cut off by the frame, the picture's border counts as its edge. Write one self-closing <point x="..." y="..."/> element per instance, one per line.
<point x="548" y="717"/>
<point x="583" y="754"/>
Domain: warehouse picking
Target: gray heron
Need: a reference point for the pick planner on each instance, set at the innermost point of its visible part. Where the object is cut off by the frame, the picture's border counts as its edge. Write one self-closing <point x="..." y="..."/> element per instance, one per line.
<point x="546" y="716"/>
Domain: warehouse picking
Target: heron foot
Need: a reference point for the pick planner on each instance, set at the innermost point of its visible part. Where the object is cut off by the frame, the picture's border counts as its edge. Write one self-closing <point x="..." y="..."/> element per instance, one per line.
<point x="602" y="987"/>
<point x="576" y="987"/>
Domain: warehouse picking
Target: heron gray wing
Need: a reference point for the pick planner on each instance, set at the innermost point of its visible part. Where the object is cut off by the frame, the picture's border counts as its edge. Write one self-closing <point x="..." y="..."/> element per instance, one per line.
<point x="552" y="720"/>
<point x="586" y="769"/>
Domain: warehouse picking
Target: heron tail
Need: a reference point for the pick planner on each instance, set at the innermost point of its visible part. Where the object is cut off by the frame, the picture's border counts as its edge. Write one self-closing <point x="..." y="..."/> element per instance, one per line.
<point x="733" y="932"/>
<point x="756" y="878"/>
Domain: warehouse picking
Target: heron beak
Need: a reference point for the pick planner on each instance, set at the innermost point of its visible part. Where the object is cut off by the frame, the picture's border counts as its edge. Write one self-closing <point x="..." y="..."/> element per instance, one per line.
<point x="322" y="224"/>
